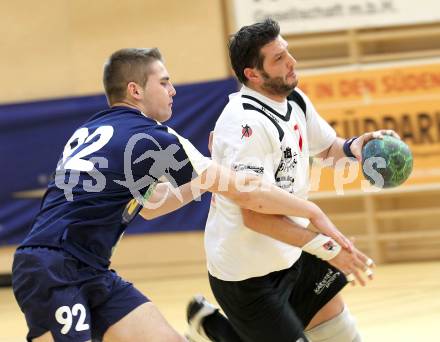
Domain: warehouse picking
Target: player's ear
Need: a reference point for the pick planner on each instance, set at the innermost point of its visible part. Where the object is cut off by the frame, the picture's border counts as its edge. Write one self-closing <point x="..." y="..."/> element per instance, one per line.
<point x="133" y="90"/>
<point x="252" y="75"/>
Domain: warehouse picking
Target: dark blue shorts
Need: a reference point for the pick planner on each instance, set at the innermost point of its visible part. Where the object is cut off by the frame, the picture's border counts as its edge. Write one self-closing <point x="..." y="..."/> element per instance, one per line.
<point x="74" y="301"/>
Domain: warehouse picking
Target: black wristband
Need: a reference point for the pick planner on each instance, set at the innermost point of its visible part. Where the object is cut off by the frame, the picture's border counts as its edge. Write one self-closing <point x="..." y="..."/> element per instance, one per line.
<point x="346" y="147"/>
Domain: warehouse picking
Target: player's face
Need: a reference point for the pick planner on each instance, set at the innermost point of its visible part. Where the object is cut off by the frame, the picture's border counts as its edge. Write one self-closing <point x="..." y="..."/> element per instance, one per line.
<point x="279" y="77"/>
<point x="158" y="93"/>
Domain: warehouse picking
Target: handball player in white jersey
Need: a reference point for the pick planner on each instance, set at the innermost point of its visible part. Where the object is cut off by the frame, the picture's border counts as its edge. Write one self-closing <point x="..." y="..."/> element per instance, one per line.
<point x="274" y="279"/>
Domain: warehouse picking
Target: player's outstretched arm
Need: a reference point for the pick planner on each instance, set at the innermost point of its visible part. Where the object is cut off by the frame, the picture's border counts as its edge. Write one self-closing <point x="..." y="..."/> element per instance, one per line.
<point x="278" y="227"/>
<point x="166" y="199"/>
<point x="247" y="190"/>
<point x="336" y="151"/>
<point x="281" y="228"/>
<point x="252" y="192"/>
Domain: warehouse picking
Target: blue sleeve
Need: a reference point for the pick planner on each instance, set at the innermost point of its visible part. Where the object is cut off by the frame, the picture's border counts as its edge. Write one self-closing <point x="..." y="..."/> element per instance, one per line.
<point x="161" y="154"/>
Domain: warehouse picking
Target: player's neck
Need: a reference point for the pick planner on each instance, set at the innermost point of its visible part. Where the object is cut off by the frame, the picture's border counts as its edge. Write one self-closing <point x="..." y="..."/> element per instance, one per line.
<point x="275" y="97"/>
<point x="127" y="103"/>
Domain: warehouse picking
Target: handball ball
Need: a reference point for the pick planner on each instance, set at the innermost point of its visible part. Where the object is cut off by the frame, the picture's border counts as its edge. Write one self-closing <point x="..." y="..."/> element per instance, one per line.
<point x="386" y="162"/>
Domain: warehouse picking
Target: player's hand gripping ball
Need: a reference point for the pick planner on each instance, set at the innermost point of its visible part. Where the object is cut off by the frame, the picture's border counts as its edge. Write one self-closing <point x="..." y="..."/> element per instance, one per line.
<point x="389" y="158"/>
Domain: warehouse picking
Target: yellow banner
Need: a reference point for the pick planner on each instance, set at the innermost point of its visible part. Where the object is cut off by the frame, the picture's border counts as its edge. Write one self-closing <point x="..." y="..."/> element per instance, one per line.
<point x="406" y="99"/>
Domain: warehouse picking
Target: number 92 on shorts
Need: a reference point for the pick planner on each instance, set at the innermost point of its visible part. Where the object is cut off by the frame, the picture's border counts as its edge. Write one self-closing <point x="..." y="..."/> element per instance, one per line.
<point x="73" y="300"/>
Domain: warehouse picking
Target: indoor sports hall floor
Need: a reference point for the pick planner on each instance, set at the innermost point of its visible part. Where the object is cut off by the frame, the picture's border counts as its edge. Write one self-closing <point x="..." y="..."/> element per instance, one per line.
<point x="402" y="304"/>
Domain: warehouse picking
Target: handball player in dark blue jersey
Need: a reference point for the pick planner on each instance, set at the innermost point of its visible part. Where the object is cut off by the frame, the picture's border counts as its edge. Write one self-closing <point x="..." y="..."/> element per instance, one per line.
<point x="120" y="163"/>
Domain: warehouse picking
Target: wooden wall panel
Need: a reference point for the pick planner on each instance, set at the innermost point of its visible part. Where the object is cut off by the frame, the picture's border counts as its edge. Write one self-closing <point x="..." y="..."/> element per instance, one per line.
<point x="58" y="47"/>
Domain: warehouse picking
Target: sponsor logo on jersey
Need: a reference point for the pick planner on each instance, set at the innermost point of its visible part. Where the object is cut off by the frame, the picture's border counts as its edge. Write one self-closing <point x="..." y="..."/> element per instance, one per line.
<point x="246" y="131"/>
<point x="245" y="167"/>
<point x="288" y="161"/>
<point x="131" y="210"/>
<point x="285" y="173"/>
<point x="287" y="153"/>
<point x="273" y="117"/>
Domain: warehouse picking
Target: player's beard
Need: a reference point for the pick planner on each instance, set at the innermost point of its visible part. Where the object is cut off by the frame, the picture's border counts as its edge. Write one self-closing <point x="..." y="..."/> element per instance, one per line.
<point x="277" y="85"/>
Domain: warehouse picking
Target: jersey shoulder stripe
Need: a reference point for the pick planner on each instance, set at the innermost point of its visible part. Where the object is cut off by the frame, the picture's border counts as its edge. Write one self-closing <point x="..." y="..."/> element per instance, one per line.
<point x="248" y="106"/>
<point x="270" y="109"/>
<point x="299" y="100"/>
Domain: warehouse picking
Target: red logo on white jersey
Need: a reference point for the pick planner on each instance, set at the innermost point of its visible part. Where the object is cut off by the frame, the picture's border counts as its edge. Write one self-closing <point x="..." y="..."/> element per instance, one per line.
<point x="246" y="131"/>
<point x="300" y="140"/>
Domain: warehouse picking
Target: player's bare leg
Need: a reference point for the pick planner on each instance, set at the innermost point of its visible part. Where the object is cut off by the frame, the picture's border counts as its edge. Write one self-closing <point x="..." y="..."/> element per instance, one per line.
<point x="333" y="323"/>
<point x="333" y="308"/>
<point x="46" y="337"/>
<point x="145" y="323"/>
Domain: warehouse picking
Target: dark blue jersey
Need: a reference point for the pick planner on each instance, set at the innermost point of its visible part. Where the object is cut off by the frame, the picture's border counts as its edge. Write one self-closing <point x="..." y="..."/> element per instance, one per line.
<point x="109" y="165"/>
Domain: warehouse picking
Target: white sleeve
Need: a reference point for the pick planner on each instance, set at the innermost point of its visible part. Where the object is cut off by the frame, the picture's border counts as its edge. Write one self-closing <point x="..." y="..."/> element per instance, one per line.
<point x="320" y="134"/>
<point x="198" y="161"/>
<point x="249" y="145"/>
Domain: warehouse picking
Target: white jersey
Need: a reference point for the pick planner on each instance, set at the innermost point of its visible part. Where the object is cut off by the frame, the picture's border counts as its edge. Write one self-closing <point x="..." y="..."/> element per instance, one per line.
<point x="256" y="134"/>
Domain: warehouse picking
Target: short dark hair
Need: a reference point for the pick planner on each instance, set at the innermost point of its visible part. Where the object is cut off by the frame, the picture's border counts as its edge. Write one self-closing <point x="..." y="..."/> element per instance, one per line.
<point x="125" y="66"/>
<point x="245" y="45"/>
